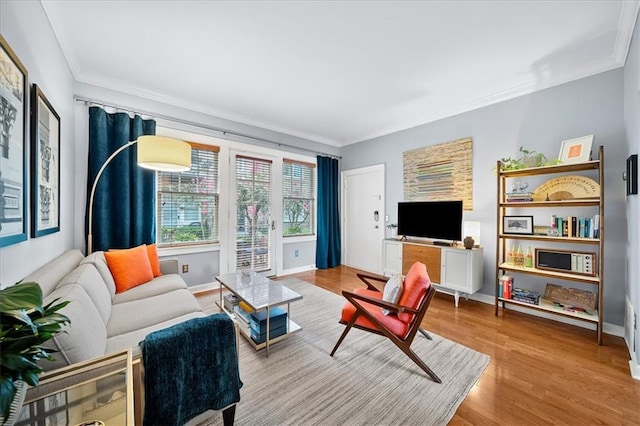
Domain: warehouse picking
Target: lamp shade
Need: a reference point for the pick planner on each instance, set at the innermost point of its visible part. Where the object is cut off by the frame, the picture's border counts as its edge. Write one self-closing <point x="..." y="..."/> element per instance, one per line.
<point x="164" y="154"/>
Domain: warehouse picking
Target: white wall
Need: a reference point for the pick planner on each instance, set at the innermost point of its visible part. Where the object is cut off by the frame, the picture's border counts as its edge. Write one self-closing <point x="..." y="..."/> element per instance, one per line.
<point x="26" y="29"/>
<point x="632" y="126"/>
<point x="539" y="121"/>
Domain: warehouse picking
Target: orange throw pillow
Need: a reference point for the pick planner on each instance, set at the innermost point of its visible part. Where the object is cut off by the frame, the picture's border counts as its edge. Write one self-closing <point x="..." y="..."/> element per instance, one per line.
<point x="130" y="267"/>
<point x="152" y="251"/>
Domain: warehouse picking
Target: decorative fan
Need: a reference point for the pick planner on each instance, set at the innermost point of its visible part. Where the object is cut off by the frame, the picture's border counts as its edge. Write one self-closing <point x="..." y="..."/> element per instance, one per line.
<point x="567" y="188"/>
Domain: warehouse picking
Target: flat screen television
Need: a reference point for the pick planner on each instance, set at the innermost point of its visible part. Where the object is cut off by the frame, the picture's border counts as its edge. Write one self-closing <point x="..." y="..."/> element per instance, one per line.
<point x="438" y="220"/>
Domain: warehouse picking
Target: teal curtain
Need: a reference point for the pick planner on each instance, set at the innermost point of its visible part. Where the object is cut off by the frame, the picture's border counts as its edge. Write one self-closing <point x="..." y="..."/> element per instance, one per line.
<point x="124" y="204"/>
<point x="328" y="240"/>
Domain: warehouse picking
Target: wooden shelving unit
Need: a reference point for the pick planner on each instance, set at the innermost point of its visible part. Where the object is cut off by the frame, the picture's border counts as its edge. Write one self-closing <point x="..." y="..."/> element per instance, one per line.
<point x="504" y="208"/>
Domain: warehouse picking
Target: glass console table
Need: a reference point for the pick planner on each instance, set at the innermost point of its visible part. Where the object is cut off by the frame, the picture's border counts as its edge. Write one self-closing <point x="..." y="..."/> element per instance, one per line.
<point x="95" y="392"/>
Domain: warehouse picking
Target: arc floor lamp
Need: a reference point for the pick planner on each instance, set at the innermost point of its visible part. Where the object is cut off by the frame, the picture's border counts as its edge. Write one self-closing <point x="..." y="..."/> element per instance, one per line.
<point x="154" y="153"/>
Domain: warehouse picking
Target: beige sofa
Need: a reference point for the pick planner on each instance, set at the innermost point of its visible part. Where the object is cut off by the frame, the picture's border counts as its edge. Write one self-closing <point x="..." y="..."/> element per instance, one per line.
<point x="101" y="320"/>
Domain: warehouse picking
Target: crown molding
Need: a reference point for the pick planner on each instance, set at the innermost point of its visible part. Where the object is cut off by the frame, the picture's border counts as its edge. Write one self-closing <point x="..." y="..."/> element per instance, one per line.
<point x="626" y="25"/>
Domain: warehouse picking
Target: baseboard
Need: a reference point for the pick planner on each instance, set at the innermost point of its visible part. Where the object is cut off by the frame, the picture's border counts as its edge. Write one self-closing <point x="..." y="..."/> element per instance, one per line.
<point x="204" y="288"/>
<point x="634" y="368"/>
<point x="297" y="270"/>
<point x="614" y="330"/>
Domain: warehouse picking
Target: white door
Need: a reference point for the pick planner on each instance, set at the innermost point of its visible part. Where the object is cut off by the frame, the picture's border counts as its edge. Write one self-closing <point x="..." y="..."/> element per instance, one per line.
<point x="252" y="223"/>
<point x="363" y="218"/>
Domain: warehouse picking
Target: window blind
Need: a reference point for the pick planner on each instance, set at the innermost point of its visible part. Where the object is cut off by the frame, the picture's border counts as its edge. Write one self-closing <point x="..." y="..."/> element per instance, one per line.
<point x="188" y="201"/>
<point x="298" y="191"/>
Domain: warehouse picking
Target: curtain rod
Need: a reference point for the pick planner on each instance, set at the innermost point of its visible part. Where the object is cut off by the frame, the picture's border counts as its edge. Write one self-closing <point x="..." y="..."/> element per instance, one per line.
<point x="202" y="126"/>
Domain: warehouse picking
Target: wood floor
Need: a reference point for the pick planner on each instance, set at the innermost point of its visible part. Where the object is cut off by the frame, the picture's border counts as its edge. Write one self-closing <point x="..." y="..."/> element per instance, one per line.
<point x="541" y="371"/>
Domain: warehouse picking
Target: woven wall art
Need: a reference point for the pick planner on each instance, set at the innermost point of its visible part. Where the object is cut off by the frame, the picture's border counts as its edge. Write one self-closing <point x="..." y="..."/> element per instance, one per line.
<point x="440" y="172"/>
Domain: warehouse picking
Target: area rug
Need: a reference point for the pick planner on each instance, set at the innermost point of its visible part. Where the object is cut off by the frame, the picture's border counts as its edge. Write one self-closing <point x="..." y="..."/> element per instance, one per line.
<point x="368" y="381"/>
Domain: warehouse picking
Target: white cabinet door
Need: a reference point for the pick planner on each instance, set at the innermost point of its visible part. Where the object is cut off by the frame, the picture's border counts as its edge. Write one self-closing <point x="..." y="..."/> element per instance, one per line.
<point x="392" y="258"/>
<point x="456" y="267"/>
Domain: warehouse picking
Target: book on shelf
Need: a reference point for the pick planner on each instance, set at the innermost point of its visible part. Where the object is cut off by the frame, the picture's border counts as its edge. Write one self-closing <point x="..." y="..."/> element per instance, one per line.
<point x="506" y="285"/>
<point x="245" y="306"/>
<point x="242" y="315"/>
<point x="525" y="292"/>
<point x="578" y="227"/>
<point x="230" y="301"/>
<point x="569" y="308"/>
<point x="518" y="197"/>
<point x="526" y="300"/>
<point x="526" y="296"/>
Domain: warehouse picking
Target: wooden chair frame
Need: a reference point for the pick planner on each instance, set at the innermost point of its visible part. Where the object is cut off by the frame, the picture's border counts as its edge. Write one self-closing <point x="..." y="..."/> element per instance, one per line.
<point x="414" y="326"/>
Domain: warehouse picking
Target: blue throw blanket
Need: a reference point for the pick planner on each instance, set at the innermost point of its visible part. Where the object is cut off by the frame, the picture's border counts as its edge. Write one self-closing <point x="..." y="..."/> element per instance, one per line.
<point x="190" y="368"/>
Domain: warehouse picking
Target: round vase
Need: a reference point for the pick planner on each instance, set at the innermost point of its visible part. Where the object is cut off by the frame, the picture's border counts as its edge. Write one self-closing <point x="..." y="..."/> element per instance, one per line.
<point x="468" y="243"/>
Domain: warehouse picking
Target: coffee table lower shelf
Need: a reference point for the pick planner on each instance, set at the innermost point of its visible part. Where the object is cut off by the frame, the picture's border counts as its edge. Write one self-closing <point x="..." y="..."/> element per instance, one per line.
<point x="244" y="329"/>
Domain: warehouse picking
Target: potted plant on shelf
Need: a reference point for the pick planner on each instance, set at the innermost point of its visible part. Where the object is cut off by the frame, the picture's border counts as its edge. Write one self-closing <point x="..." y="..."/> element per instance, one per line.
<point x="532" y="158"/>
<point x="393" y="229"/>
<point x="529" y="159"/>
<point x="25" y="325"/>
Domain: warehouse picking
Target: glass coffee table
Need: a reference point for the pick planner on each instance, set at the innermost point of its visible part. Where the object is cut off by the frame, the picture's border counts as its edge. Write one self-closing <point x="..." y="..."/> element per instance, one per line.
<point x="260" y="294"/>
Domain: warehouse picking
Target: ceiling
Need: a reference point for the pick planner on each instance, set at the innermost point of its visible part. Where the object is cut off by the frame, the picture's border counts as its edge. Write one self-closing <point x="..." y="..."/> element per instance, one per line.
<point x="338" y="72"/>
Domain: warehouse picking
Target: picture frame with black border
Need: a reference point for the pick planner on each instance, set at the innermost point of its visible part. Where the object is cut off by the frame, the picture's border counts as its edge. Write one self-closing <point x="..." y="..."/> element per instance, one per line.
<point x="631" y="175"/>
<point x="521" y="225"/>
<point x="45" y="165"/>
<point x="13" y="146"/>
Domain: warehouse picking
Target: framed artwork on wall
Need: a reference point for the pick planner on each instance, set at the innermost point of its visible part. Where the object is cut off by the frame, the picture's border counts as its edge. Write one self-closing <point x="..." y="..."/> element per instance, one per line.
<point x="631" y="174"/>
<point x="13" y="146"/>
<point x="45" y="165"/>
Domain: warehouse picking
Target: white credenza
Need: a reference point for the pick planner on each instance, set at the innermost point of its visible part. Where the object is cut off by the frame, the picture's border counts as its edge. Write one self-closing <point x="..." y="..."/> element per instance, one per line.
<point x="451" y="269"/>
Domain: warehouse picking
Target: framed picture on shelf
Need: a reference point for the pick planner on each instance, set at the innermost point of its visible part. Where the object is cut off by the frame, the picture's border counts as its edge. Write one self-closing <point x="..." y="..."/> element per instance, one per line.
<point x="13" y="147"/>
<point x="517" y="225"/>
<point x="45" y="165"/>
<point x="576" y="150"/>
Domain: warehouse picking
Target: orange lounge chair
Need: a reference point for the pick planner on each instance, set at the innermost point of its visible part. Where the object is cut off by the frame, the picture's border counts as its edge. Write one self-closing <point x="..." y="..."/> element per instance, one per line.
<point x="363" y="311"/>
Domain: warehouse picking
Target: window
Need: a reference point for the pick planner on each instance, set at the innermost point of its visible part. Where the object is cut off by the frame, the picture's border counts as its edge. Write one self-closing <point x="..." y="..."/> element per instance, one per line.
<point x="298" y="192"/>
<point x="188" y="201"/>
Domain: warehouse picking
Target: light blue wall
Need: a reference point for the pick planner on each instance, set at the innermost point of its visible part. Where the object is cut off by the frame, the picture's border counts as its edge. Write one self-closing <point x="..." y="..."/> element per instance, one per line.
<point x="306" y="254"/>
<point x="539" y="121"/>
<point x="632" y="126"/>
<point x="26" y="29"/>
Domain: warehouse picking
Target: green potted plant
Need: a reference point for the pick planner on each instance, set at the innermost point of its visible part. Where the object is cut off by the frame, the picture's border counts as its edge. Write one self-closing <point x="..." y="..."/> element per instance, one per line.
<point x="529" y="158"/>
<point x="25" y="325"/>
<point x="393" y="229"/>
<point x="509" y="163"/>
<point x="532" y="158"/>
